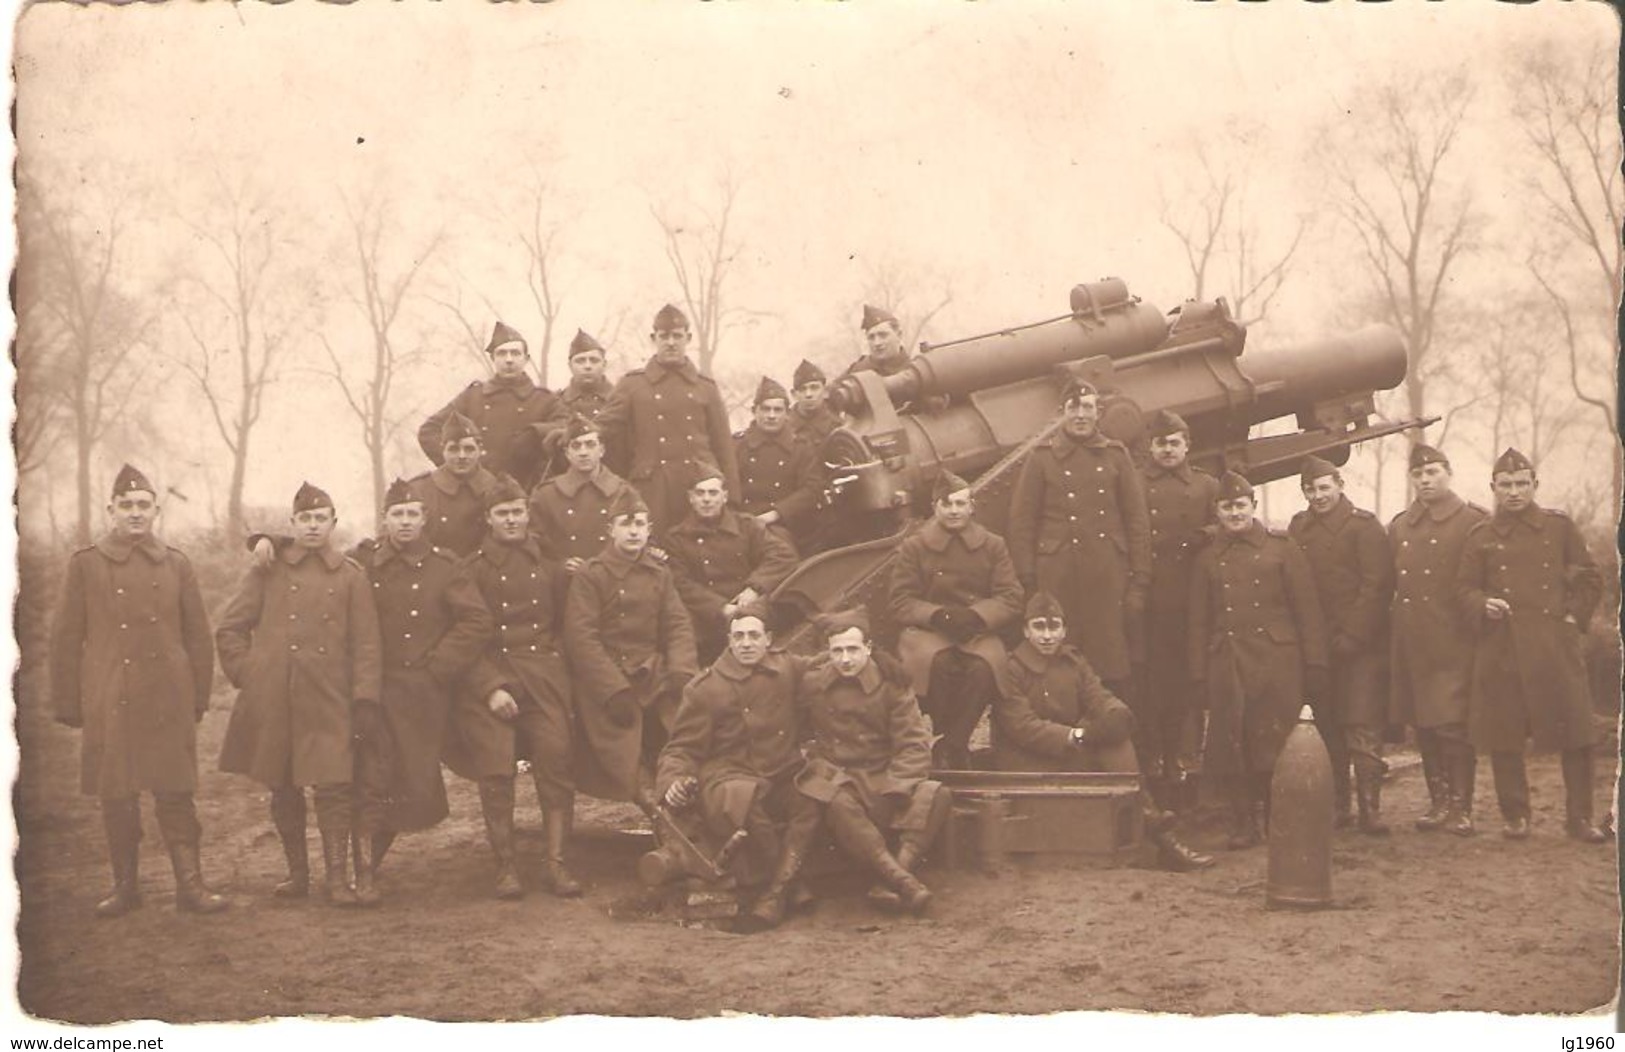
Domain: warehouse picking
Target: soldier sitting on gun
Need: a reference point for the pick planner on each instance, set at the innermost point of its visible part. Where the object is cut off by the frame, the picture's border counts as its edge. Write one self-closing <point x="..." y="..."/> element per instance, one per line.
<point x="778" y="477"/>
<point x="953" y="587"/>
<point x="868" y="761"/>
<point x="735" y="752"/>
<point x="1056" y="715"/>
<point x="811" y="417"/>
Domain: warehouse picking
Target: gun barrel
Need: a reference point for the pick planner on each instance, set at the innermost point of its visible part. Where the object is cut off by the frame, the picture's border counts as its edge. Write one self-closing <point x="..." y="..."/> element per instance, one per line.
<point x="1292" y="378"/>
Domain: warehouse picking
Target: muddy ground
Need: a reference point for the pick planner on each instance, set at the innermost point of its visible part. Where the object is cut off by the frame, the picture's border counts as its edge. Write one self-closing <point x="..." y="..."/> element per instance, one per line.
<point x="1423" y="922"/>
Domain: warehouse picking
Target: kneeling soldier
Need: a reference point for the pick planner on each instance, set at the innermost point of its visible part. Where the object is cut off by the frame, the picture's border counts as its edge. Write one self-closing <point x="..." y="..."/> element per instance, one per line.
<point x="300" y="641"/>
<point x="518" y="696"/>
<point x="131" y="664"/>
<point x="868" y="762"/>
<point x="1056" y="715"/>
<point x="735" y="751"/>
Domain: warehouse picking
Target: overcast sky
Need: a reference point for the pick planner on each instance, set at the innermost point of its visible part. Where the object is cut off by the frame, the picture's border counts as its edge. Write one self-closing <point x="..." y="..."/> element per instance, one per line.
<point x="1004" y="151"/>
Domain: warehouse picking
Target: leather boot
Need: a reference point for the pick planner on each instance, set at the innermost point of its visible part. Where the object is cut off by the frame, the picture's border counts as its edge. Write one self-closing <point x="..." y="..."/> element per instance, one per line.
<point x="1177" y="857"/>
<point x="1343" y="816"/>
<point x="1433" y="770"/>
<point x="496" y="804"/>
<point x="912" y="845"/>
<point x="121" y="819"/>
<point x="555" y="877"/>
<point x="912" y="895"/>
<point x="1243" y="821"/>
<point x="288" y="815"/>
<point x="381" y="841"/>
<point x="1368" y="785"/>
<point x="333" y="822"/>
<point x="191" y="895"/>
<point x="1462" y="767"/>
<point x="366" y="867"/>
<point x="768" y="910"/>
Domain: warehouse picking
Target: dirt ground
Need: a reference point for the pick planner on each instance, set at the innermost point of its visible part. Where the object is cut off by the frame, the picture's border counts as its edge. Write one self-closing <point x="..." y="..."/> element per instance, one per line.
<point x="1423" y="922"/>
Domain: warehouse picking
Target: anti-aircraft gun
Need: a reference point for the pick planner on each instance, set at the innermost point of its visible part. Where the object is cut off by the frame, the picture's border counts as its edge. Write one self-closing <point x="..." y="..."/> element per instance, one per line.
<point x="1003" y="388"/>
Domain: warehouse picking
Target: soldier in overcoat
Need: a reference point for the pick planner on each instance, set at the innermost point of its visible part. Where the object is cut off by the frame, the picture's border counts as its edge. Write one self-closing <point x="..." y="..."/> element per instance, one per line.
<point x="131" y="664"/>
<point x="869" y="762"/>
<point x="811" y="417"/>
<point x="953" y="588"/>
<point x="1530" y="584"/>
<point x="663" y="416"/>
<point x="631" y="652"/>
<point x="735" y="751"/>
<point x="1431" y="651"/>
<point x="1348" y="554"/>
<point x="589" y="389"/>
<point x="1179" y="503"/>
<point x="1078" y="522"/>
<point x="722" y="560"/>
<point x="300" y="641"/>
<point x="1258" y="649"/>
<point x="778" y="477"/>
<point x="516" y="421"/>
<point x="453" y="494"/>
<point x="1055" y="715"/>
<point x="433" y="626"/>
<point x="888" y="357"/>
<point x="516" y="700"/>
<point x="569" y="513"/>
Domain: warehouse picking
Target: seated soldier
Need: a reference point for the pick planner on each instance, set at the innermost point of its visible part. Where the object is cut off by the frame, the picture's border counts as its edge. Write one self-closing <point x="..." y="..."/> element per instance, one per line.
<point x="734" y="752"/>
<point x="1055" y="715"/>
<point x="867" y="761"/>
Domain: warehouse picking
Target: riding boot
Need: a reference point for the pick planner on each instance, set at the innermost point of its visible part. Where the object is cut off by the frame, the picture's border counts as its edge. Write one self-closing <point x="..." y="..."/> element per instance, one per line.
<point x="557" y="879"/>
<point x="366" y="867"/>
<point x="1438" y="782"/>
<point x="1577" y="778"/>
<point x="1172" y="855"/>
<point x="178" y="824"/>
<point x="1342" y="790"/>
<point x="496" y="804"/>
<point x="1462" y="767"/>
<point x="121" y="819"/>
<point x="1243" y="824"/>
<point x="913" y="895"/>
<point x="768" y="910"/>
<point x="381" y="841"/>
<point x="1261" y="803"/>
<point x="1368" y="785"/>
<point x="333" y="822"/>
<point x="288" y="815"/>
<point x="912" y="845"/>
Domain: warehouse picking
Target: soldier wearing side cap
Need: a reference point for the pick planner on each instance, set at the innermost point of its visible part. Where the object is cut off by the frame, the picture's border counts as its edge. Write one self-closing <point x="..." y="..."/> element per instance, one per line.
<point x="1431" y="652"/>
<point x="1054" y="714"/>
<point x="953" y="588"/>
<point x="1529" y="586"/>
<point x="516" y="700"/>
<point x="887" y="355"/>
<point x="589" y="388"/>
<point x="722" y="559"/>
<point x="811" y="417"/>
<point x="1258" y="650"/>
<point x="663" y="416"/>
<point x="453" y="494"/>
<point x="631" y="650"/>
<point x="777" y="467"/>
<point x="300" y="641"/>
<point x="1179" y="502"/>
<point x="131" y="665"/>
<point x="1347" y="550"/>
<point x="569" y="513"/>
<point x="1078" y="523"/>
<point x="869" y="762"/>
<point x="433" y="626"/>
<point x="516" y="421"/>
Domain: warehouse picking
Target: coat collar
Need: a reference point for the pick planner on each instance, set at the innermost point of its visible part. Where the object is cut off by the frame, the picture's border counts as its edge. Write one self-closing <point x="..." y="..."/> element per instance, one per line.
<point x="294" y="554"/>
<point x="1029" y="656"/>
<point x="1254" y="535"/>
<point x="1153" y="470"/>
<point x="1507" y="521"/>
<point x="934" y="536"/>
<point x="1064" y="444"/>
<point x="500" y="554"/>
<point x="603" y="480"/>
<point x="727" y="522"/>
<point x="621" y="565"/>
<point x="657" y="371"/>
<point x="600" y="387"/>
<point x="1333" y="520"/>
<point x="119" y="548"/>
<point x="520" y="386"/>
<point x="451" y="485"/>
<point x="414" y="553"/>
<point x="1439" y="512"/>
<point x="728" y="666"/>
<point x="755" y="438"/>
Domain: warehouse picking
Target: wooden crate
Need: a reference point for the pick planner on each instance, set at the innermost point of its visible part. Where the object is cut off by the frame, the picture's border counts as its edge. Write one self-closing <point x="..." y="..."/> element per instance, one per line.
<point x="998" y="814"/>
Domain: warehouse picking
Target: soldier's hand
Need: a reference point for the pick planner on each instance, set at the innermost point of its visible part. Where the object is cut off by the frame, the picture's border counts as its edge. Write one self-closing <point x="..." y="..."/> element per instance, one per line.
<point x="502" y="705"/>
<point x="622" y="709"/>
<point x="574" y="564"/>
<point x="942" y="620"/>
<point x="746" y="596"/>
<point x="264" y="552"/>
<point x="1495" y="609"/>
<point x="680" y="794"/>
<point x="769" y="517"/>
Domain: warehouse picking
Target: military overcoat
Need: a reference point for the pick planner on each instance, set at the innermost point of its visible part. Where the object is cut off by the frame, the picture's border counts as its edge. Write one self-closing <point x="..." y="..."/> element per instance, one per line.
<point x="569" y="515"/>
<point x="515" y="418"/>
<point x="777" y="473"/>
<point x="1431" y="650"/>
<point x="453" y="507"/>
<point x="1348" y="554"/>
<point x="937" y="568"/>
<point x="713" y="560"/>
<point x="1044" y="699"/>
<point x="867" y="732"/>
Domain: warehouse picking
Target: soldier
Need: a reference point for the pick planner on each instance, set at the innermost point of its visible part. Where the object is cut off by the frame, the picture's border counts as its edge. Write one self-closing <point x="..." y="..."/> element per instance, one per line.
<point x="868" y="762"/>
<point x="953" y="587"/>
<point x="300" y="641"/>
<point x="515" y="421"/>
<point x="776" y="465"/>
<point x="664" y="415"/>
<point x="811" y="417"/>
<point x="735" y="751"/>
<point x="1432" y="648"/>
<point x="433" y="626"/>
<point x="631" y="649"/>
<point x="1347" y="550"/>
<point x="1529" y="585"/>
<point x="517" y="700"/>
<point x="131" y="665"/>
<point x="722" y="560"/>
<point x="1179" y="500"/>
<point x="1078" y="522"/>
<point x="589" y="389"/>
<point x="1055" y="715"/>
<point x="453" y="494"/>
<point x="569" y="513"/>
<point x="1258" y="649"/>
<point x="888" y="357"/>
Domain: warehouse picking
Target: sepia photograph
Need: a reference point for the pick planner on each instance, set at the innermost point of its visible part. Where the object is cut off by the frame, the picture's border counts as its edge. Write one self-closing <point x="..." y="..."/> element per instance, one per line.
<point x="995" y="513"/>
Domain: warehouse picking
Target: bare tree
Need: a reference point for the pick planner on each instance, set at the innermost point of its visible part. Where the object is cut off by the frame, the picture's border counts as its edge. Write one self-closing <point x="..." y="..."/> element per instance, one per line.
<point x="1389" y="165"/>
<point x="1566" y="105"/>
<point x="237" y="280"/>
<point x="903" y="291"/>
<point x="379" y="293"/>
<point x="77" y="317"/>
<point x="701" y="257"/>
<point x="539" y="235"/>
